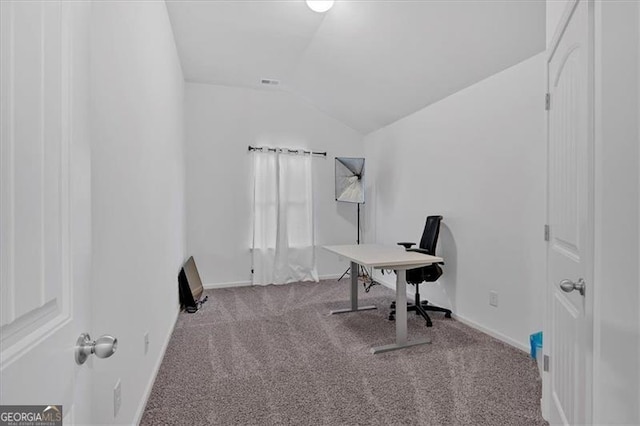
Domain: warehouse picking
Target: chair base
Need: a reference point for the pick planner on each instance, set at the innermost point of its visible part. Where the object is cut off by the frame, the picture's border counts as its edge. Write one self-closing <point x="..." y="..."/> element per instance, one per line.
<point x="420" y="309"/>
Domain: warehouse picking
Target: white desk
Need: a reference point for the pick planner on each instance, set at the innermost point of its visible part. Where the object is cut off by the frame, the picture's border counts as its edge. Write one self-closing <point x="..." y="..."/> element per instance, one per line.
<point x="385" y="257"/>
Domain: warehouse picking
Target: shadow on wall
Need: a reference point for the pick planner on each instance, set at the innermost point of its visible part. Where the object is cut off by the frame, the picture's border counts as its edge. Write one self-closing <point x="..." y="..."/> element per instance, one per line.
<point x="447" y="284"/>
<point x="618" y="372"/>
<point x="385" y="177"/>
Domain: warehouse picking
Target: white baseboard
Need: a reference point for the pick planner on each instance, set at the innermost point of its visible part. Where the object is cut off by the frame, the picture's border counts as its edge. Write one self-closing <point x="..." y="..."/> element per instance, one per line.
<point x="211" y="286"/>
<point x="330" y="276"/>
<point x="505" y="339"/>
<point x="226" y="285"/>
<point x="152" y="380"/>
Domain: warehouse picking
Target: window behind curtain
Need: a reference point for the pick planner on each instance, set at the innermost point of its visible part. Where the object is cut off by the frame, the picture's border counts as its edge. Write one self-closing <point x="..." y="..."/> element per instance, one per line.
<point x="283" y="219"/>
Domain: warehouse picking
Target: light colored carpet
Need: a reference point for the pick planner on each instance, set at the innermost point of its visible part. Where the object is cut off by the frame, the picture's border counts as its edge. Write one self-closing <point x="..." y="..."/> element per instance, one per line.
<point x="273" y="355"/>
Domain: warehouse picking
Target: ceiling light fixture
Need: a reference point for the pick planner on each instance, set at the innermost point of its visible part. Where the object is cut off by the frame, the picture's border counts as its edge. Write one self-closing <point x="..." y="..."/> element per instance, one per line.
<point x="320" y="6"/>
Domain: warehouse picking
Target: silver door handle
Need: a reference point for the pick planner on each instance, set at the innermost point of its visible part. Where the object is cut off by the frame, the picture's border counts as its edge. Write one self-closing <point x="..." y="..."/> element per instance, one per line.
<point x="102" y="347"/>
<point x="568" y="286"/>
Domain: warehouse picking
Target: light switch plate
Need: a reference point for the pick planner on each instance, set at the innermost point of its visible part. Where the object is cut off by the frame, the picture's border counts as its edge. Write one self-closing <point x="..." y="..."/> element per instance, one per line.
<point x="493" y="298"/>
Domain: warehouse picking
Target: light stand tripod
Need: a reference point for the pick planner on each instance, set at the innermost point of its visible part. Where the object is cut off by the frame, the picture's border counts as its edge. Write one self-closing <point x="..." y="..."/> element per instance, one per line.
<point x="362" y="272"/>
<point x="349" y="175"/>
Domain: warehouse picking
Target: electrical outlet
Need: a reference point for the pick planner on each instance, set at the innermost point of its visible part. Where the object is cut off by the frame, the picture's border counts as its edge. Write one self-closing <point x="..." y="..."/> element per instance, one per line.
<point x="146" y="342"/>
<point x="493" y="298"/>
<point x="117" y="399"/>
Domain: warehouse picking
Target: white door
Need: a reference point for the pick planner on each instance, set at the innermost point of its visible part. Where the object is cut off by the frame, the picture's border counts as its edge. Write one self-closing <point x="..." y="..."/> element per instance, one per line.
<point x="568" y="335"/>
<point x="45" y="203"/>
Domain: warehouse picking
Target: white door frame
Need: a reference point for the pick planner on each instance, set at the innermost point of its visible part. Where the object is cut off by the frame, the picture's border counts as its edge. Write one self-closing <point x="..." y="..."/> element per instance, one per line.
<point x="616" y="320"/>
<point x="546" y="403"/>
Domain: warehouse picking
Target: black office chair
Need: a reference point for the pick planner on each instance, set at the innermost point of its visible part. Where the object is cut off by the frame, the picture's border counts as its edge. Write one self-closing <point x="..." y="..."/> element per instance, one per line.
<point x="429" y="273"/>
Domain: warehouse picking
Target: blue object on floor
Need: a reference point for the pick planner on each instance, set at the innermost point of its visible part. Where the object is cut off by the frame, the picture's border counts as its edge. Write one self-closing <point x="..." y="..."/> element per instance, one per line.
<point x="536" y="344"/>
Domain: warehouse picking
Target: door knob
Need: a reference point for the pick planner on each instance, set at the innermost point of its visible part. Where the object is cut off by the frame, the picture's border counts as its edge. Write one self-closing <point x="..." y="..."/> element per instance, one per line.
<point x="102" y="347"/>
<point x="568" y="286"/>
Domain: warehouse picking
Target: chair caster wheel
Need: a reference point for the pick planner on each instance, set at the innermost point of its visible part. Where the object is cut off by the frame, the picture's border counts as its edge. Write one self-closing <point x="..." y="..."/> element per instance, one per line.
<point x="429" y="324"/>
<point x="447" y="315"/>
<point x="392" y="317"/>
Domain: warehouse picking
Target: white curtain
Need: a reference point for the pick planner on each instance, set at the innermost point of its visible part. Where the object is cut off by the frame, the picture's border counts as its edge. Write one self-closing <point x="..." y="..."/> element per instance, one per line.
<point x="283" y="220"/>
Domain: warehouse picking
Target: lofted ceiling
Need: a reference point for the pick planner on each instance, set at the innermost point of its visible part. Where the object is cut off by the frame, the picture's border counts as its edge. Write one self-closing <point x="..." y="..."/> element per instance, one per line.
<point x="365" y="63"/>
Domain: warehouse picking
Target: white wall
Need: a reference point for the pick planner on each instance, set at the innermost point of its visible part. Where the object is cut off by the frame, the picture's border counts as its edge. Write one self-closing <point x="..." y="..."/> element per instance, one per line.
<point x="617" y="215"/>
<point x="221" y="122"/>
<point x="478" y="158"/>
<point x="138" y="195"/>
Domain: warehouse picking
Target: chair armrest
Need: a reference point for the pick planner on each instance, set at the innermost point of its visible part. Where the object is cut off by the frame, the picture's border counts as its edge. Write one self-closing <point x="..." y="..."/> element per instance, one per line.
<point x="406" y="245"/>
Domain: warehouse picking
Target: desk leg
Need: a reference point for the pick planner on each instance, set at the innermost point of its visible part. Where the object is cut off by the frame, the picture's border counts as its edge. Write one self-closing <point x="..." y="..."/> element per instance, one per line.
<point x="401" y="318"/>
<point x="401" y="307"/>
<point x="354" y="294"/>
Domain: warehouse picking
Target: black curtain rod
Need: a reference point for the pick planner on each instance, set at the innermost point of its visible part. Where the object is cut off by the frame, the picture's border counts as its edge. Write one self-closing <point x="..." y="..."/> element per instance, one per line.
<point x="287" y="150"/>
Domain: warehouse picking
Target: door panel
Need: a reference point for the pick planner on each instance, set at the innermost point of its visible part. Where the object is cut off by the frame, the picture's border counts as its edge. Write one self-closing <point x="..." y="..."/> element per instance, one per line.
<point x="565" y="353"/>
<point x="35" y="282"/>
<point x="44" y="201"/>
<point x="570" y="195"/>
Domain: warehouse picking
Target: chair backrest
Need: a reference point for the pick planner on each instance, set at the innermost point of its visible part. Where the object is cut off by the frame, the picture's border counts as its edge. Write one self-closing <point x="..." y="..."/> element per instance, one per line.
<point x="429" y="240"/>
<point x="430" y="234"/>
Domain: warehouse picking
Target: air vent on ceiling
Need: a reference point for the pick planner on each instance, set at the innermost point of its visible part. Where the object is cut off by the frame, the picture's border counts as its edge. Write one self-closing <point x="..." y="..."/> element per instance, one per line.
<point x="269" y="81"/>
